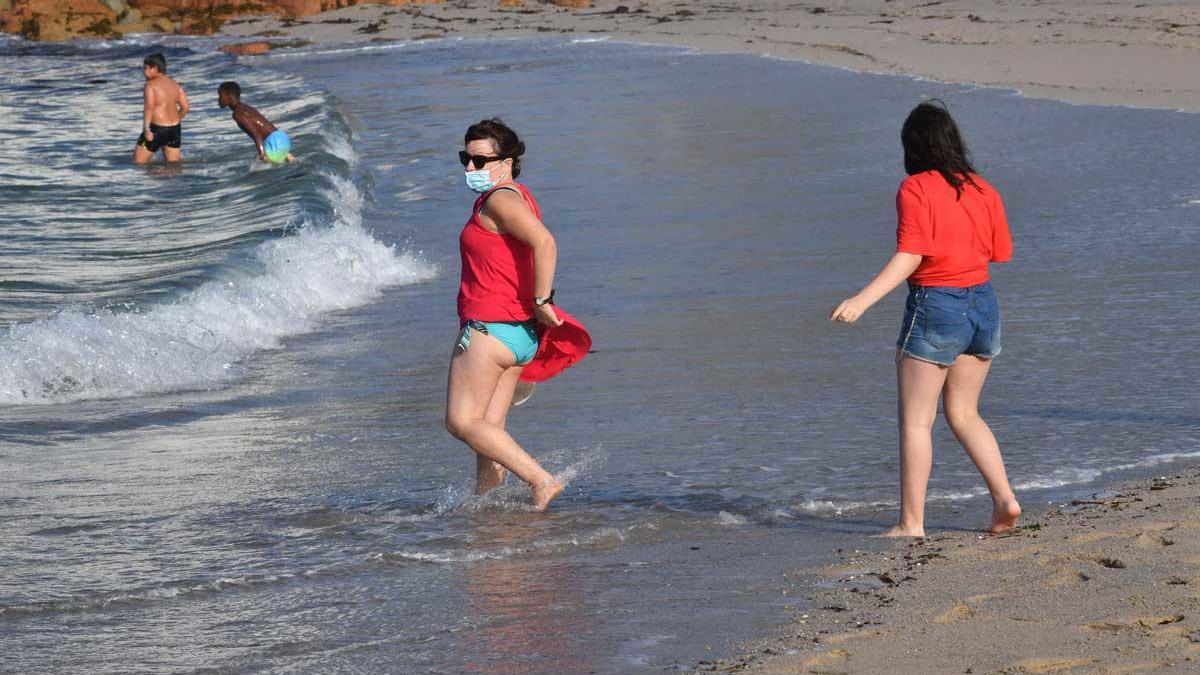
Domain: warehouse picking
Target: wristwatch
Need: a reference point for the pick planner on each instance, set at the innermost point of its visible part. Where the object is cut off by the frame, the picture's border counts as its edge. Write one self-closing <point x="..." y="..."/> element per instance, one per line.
<point x="539" y="302"/>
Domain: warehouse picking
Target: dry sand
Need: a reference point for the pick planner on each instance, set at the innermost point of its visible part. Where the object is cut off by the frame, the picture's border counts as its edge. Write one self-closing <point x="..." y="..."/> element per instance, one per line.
<point x="1110" y="585"/>
<point x="1087" y="51"/>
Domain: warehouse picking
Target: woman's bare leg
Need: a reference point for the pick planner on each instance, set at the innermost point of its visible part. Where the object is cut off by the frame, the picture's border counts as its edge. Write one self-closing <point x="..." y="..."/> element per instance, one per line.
<point x="475" y="375"/>
<point x="489" y="474"/>
<point x="919" y="384"/>
<point x="960" y="398"/>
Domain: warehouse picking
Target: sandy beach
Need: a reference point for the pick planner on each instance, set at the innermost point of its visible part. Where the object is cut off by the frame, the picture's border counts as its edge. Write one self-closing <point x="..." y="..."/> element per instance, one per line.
<point x="224" y="382"/>
<point x="1103" y="585"/>
<point x="1085" y="51"/>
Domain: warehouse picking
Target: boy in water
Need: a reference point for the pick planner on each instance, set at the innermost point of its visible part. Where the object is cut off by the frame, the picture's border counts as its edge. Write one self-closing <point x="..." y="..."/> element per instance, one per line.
<point x="273" y="144"/>
<point x="165" y="106"/>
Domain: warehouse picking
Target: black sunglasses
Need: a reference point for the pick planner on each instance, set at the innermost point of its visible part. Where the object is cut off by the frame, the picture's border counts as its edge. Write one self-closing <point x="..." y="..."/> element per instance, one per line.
<point x="478" y="160"/>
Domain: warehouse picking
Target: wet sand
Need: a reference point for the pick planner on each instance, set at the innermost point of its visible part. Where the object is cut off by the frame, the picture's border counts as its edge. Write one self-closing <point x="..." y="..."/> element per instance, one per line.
<point x="1085" y="51"/>
<point x="1104" y="585"/>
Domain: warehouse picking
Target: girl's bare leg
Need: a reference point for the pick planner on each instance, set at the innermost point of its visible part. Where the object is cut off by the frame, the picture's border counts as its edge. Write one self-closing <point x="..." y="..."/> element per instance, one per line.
<point x="961" y="403"/>
<point x="475" y="376"/>
<point x="919" y="384"/>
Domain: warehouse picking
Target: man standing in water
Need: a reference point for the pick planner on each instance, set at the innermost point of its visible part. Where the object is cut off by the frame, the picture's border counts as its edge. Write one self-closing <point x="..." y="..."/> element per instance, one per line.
<point x="165" y="106"/>
<point x="272" y="143"/>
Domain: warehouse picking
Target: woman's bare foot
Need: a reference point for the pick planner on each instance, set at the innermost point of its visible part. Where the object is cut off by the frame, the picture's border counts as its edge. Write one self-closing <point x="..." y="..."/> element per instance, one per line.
<point x="544" y="493"/>
<point x="488" y="476"/>
<point x="1004" y="515"/>
<point x="901" y="531"/>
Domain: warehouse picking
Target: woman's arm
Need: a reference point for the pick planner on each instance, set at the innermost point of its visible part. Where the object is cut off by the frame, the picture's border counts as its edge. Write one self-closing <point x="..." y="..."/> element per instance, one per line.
<point x="514" y="218"/>
<point x="899" y="268"/>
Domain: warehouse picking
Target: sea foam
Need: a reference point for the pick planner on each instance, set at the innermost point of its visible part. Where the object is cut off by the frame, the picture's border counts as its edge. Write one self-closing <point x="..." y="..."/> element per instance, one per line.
<point x="198" y="340"/>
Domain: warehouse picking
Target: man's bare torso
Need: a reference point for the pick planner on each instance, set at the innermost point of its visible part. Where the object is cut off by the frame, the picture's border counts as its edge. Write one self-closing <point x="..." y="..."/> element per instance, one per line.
<point x="167" y="94"/>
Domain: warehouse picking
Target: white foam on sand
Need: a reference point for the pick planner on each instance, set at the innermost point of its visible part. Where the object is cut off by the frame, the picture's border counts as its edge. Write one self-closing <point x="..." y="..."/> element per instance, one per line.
<point x="727" y="519"/>
<point x="1058" y="478"/>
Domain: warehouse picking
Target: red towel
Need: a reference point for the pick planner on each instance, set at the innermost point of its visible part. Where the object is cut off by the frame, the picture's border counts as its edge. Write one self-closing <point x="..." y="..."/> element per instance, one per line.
<point x="559" y="348"/>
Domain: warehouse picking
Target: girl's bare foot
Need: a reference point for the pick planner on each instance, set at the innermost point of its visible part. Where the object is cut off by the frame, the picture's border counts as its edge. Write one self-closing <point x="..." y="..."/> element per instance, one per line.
<point x="544" y="493"/>
<point x="901" y="531"/>
<point x="1004" y="515"/>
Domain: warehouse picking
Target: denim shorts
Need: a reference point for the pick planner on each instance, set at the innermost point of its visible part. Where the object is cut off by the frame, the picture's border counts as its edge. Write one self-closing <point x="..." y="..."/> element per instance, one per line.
<point x="941" y="322"/>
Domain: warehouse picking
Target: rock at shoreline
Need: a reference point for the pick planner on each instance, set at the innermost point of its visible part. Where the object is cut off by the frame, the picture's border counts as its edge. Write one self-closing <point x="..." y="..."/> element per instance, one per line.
<point x="247" y="48"/>
<point x="301" y="8"/>
<point x="156" y="25"/>
<point x="118" y="7"/>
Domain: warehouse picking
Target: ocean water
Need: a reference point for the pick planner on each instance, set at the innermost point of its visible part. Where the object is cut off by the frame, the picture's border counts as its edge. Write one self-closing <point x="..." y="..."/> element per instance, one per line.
<point x="222" y="384"/>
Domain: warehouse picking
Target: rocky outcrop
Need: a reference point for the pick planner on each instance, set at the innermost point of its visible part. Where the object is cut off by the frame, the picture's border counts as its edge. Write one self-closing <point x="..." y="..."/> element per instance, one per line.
<point x="66" y="19"/>
<point x="59" y="19"/>
<point x="204" y="17"/>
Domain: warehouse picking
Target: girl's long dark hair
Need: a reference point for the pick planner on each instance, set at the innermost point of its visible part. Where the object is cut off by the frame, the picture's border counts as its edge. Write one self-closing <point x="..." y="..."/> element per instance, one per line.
<point x="508" y="145"/>
<point x="932" y="143"/>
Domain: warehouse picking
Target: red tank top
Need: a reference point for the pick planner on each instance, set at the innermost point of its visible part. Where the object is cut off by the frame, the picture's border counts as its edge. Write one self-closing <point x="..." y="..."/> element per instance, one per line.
<point x="497" y="270"/>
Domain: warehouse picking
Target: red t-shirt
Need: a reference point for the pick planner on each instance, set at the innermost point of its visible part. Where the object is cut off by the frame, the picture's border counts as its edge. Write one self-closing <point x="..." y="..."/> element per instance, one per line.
<point x="957" y="236"/>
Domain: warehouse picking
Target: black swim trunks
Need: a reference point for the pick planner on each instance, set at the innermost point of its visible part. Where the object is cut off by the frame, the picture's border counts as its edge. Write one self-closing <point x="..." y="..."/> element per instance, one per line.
<point x="169" y="137"/>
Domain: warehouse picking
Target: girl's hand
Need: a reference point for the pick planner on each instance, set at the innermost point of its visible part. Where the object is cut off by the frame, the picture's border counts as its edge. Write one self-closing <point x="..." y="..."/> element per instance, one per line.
<point x="849" y="310"/>
<point x="546" y="316"/>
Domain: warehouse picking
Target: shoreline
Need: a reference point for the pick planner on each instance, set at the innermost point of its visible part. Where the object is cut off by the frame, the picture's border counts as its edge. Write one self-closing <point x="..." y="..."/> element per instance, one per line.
<point x="1109" y="584"/>
<point x="1078" y="51"/>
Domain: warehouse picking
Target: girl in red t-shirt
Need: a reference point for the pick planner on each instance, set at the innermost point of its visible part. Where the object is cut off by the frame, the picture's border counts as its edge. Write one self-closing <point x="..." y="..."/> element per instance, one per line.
<point x="951" y="225"/>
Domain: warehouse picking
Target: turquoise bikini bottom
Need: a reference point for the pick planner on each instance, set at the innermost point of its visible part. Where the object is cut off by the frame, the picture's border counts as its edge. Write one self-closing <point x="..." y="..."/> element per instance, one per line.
<point x="520" y="338"/>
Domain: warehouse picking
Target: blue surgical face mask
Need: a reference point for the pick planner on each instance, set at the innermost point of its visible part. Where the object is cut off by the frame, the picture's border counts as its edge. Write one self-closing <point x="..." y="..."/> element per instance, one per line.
<point x="480" y="181"/>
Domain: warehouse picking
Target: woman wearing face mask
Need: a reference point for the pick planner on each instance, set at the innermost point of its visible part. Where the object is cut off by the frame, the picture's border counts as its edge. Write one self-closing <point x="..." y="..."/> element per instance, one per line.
<point x="507" y="291"/>
<point x="951" y="225"/>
